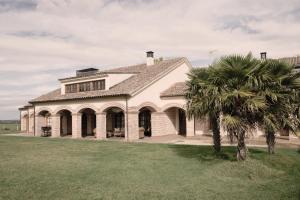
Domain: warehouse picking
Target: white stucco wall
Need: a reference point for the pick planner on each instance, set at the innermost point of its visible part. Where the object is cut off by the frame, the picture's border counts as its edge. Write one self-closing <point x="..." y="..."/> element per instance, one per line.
<point x="75" y="105"/>
<point x="152" y="93"/>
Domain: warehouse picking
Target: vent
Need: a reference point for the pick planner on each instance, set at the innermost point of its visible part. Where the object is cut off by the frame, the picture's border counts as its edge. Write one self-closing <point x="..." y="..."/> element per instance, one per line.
<point x="86" y="72"/>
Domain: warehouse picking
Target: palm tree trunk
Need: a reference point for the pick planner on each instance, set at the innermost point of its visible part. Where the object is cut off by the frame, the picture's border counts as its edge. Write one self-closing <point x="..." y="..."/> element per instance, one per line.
<point x="241" y="147"/>
<point x="270" y="139"/>
<point x="215" y="121"/>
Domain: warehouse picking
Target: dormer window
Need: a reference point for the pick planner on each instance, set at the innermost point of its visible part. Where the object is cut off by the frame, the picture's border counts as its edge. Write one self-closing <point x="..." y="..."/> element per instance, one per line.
<point x="71" y="88"/>
<point x="85" y="86"/>
<point x="99" y="85"/>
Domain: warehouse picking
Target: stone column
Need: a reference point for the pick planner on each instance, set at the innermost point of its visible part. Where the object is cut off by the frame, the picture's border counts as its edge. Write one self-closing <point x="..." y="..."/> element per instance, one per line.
<point x="223" y="132"/>
<point x="133" y="125"/>
<point x="31" y="121"/>
<point x="190" y="127"/>
<point x="76" y="125"/>
<point x="55" y="127"/>
<point x="157" y="121"/>
<point x="101" y="125"/>
<point x="39" y="122"/>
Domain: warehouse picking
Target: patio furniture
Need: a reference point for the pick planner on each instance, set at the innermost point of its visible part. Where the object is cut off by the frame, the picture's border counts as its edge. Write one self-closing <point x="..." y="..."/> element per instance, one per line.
<point x="110" y="133"/>
<point x="46" y="131"/>
<point x="122" y="132"/>
<point x="117" y="132"/>
<point x="141" y="132"/>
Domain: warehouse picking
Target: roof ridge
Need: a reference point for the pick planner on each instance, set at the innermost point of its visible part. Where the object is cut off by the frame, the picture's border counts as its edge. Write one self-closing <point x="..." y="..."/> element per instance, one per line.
<point x="130" y="86"/>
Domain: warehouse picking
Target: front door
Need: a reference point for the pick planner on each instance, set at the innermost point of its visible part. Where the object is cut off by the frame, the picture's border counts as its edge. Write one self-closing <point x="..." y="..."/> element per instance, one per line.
<point x="145" y="122"/>
<point x="182" y="122"/>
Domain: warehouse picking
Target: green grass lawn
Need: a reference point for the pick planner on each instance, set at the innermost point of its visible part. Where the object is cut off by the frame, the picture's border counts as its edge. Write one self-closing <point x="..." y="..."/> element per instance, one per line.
<point x="9" y="128"/>
<point x="45" y="168"/>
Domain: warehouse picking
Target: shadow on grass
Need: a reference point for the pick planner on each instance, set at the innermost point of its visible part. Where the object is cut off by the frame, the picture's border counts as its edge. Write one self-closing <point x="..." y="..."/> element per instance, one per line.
<point x="204" y="153"/>
<point x="207" y="154"/>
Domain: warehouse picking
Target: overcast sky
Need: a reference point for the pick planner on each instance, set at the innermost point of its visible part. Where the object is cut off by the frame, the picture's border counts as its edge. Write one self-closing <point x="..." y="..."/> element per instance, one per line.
<point x="43" y="40"/>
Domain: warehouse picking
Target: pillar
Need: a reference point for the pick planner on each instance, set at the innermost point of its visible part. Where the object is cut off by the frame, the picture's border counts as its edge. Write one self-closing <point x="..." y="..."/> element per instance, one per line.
<point x="31" y="125"/>
<point x="101" y="125"/>
<point x="223" y="132"/>
<point x="76" y="125"/>
<point x="190" y="127"/>
<point x="39" y="122"/>
<point x="156" y="123"/>
<point x="55" y="125"/>
<point x="133" y="125"/>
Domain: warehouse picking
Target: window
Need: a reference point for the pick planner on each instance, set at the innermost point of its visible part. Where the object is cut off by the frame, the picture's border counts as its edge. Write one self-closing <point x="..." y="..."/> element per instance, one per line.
<point x="99" y="85"/>
<point x="119" y="120"/>
<point x="86" y="86"/>
<point x="72" y="88"/>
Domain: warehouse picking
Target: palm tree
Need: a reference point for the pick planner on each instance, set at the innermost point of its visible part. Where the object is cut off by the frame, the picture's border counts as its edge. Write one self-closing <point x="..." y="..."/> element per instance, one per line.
<point x="224" y="88"/>
<point x="248" y="92"/>
<point x="280" y="87"/>
<point x="239" y="100"/>
<point x="202" y="100"/>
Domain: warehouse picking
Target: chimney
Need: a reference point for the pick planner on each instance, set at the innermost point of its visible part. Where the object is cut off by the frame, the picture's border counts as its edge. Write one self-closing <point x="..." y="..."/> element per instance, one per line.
<point x="263" y="55"/>
<point x="150" y="58"/>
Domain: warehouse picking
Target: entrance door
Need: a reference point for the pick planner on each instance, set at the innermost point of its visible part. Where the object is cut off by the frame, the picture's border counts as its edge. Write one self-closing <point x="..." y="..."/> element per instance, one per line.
<point x="182" y="122"/>
<point x="84" y="125"/>
<point x="145" y="122"/>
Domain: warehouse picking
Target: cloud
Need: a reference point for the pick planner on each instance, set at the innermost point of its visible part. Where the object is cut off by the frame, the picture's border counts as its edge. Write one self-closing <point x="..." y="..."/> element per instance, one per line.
<point x="43" y="40"/>
<point x="8" y="5"/>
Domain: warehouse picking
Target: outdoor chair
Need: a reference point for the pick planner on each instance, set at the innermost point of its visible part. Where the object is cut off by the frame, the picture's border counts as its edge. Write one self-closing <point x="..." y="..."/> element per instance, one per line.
<point x="46" y="131"/>
<point x="117" y="132"/>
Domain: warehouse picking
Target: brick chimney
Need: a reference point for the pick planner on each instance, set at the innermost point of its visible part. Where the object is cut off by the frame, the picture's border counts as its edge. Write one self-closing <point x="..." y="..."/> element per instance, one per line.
<point x="263" y="55"/>
<point x="150" y="58"/>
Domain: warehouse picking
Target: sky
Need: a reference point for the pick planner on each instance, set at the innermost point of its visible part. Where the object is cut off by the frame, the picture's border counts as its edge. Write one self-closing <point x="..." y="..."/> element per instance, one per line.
<point x="44" y="40"/>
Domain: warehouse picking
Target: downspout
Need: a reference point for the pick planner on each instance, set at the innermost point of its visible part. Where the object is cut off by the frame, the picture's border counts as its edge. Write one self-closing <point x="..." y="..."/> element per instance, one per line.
<point x="127" y="118"/>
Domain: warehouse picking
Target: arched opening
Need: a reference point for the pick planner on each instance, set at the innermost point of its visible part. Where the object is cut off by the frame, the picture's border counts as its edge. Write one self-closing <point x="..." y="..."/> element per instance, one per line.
<point x="176" y="120"/>
<point x="145" y="122"/>
<point x="88" y="123"/>
<point x="65" y="123"/>
<point x="115" y="122"/>
<point x="45" y="122"/>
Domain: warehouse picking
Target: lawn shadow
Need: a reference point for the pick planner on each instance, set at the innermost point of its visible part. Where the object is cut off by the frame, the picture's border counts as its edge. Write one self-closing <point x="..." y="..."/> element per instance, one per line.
<point x="204" y="153"/>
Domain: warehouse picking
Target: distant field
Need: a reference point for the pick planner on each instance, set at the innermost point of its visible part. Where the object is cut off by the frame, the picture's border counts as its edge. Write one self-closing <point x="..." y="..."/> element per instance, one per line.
<point x="9" y="128"/>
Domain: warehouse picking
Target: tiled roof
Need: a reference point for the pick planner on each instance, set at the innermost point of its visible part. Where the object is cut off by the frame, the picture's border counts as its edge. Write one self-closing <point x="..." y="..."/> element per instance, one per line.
<point x="291" y="60"/>
<point x="177" y="89"/>
<point x="144" y="76"/>
<point x="26" y="106"/>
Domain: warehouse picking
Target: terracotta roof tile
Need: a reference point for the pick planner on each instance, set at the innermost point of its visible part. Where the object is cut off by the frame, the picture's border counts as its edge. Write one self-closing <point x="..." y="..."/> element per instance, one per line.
<point x="291" y="60"/>
<point x="144" y="75"/>
<point x="177" y="89"/>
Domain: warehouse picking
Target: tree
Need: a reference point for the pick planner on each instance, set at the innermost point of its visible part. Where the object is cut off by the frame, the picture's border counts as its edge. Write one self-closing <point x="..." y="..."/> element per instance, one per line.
<point x="248" y="93"/>
<point x="280" y="87"/>
<point x="224" y="88"/>
<point x="203" y="99"/>
<point x="239" y="100"/>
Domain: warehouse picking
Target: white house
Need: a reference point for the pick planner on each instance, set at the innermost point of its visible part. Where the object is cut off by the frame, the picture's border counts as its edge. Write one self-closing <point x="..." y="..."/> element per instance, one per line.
<point x="132" y="102"/>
